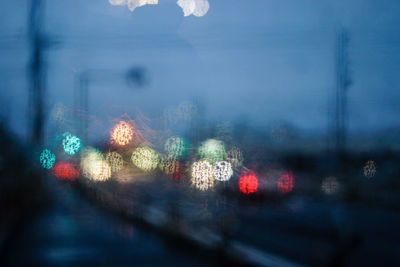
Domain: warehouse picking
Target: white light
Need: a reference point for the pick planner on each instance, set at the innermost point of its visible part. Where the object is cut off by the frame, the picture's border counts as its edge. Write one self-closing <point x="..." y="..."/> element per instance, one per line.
<point x="133" y="4"/>
<point x="117" y="2"/>
<point x="188" y="6"/>
<point x="197" y="8"/>
<point x="202" y="175"/>
<point x="223" y="171"/>
<point x="94" y="166"/>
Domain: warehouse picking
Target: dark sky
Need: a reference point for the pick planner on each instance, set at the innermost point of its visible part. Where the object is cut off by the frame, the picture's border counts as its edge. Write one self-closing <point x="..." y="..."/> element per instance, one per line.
<point x="259" y="59"/>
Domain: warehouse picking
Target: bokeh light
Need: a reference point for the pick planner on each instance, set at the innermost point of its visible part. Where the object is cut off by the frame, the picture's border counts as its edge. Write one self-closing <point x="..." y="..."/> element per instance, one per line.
<point x="213" y="150"/>
<point x="133" y="4"/>
<point x="94" y="166"/>
<point x="248" y="182"/>
<point x="202" y="175"/>
<point x="47" y="159"/>
<point x="330" y="185"/>
<point x="115" y="161"/>
<point x="122" y="133"/>
<point x="172" y="167"/>
<point x="65" y="171"/>
<point x="369" y="169"/>
<point x="197" y="8"/>
<point x="222" y="171"/>
<point x="235" y="157"/>
<point x="71" y="144"/>
<point x="145" y="158"/>
<point x="175" y="146"/>
<point x="117" y="2"/>
<point x="285" y="183"/>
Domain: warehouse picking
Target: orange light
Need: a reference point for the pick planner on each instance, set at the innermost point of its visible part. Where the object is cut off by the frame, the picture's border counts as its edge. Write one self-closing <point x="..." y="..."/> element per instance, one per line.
<point x="122" y="133"/>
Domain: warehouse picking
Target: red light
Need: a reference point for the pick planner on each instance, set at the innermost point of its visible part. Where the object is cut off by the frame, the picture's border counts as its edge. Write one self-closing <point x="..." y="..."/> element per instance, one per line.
<point x="65" y="171"/>
<point x="286" y="182"/>
<point x="248" y="182"/>
<point x="178" y="171"/>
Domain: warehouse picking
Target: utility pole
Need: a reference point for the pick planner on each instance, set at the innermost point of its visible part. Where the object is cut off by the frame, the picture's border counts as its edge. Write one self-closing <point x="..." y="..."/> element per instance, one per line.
<point x="36" y="72"/>
<point x="343" y="82"/>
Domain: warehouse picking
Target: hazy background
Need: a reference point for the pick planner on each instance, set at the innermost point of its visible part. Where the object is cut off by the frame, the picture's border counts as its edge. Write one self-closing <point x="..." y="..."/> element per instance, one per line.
<point x="258" y="60"/>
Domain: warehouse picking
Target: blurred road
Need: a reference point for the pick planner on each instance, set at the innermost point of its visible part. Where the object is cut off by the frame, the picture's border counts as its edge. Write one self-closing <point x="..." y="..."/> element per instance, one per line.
<point x="74" y="233"/>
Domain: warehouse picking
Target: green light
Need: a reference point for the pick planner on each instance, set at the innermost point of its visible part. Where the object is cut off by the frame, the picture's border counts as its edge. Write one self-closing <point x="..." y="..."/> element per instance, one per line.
<point x="176" y="146"/>
<point x="212" y="150"/>
<point x="47" y="159"/>
<point x="71" y="144"/>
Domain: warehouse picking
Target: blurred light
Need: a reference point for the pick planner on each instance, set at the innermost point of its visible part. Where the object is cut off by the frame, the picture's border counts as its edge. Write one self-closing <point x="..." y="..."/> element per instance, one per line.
<point x="133" y="4"/>
<point x="115" y="161"/>
<point x="174" y="168"/>
<point x="94" y="166"/>
<point x="212" y="150"/>
<point x="117" y="2"/>
<point x="197" y="8"/>
<point x="188" y="6"/>
<point x="248" y="182"/>
<point x="330" y="185"/>
<point x="71" y="144"/>
<point x="175" y="146"/>
<point x="223" y="171"/>
<point x="65" y="171"/>
<point x="235" y="157"/>
<point x="369" y="169"/>
<point x="145" y="158"/>
<point x="202" y="175"/>
<point x="122" y="133"/>
<point x="286" y="182"/>
<point x="47" y="159"/>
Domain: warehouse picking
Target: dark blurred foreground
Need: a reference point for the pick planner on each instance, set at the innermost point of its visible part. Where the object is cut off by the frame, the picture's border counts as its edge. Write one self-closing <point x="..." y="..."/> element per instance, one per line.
<point x="163" y="222"/>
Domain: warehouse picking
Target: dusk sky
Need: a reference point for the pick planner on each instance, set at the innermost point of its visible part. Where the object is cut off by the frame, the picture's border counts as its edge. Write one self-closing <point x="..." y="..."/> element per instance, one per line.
<point x="262" y="60"/>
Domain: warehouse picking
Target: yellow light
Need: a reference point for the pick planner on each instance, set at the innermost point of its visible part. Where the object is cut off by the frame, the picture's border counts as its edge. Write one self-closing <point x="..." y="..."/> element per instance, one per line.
<point x="115" y="161"/>
<point x="202" y="175"/>
<point x="222" y="171"/>
<point x="145" y="158"/>
<point x="94" y="166"/>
